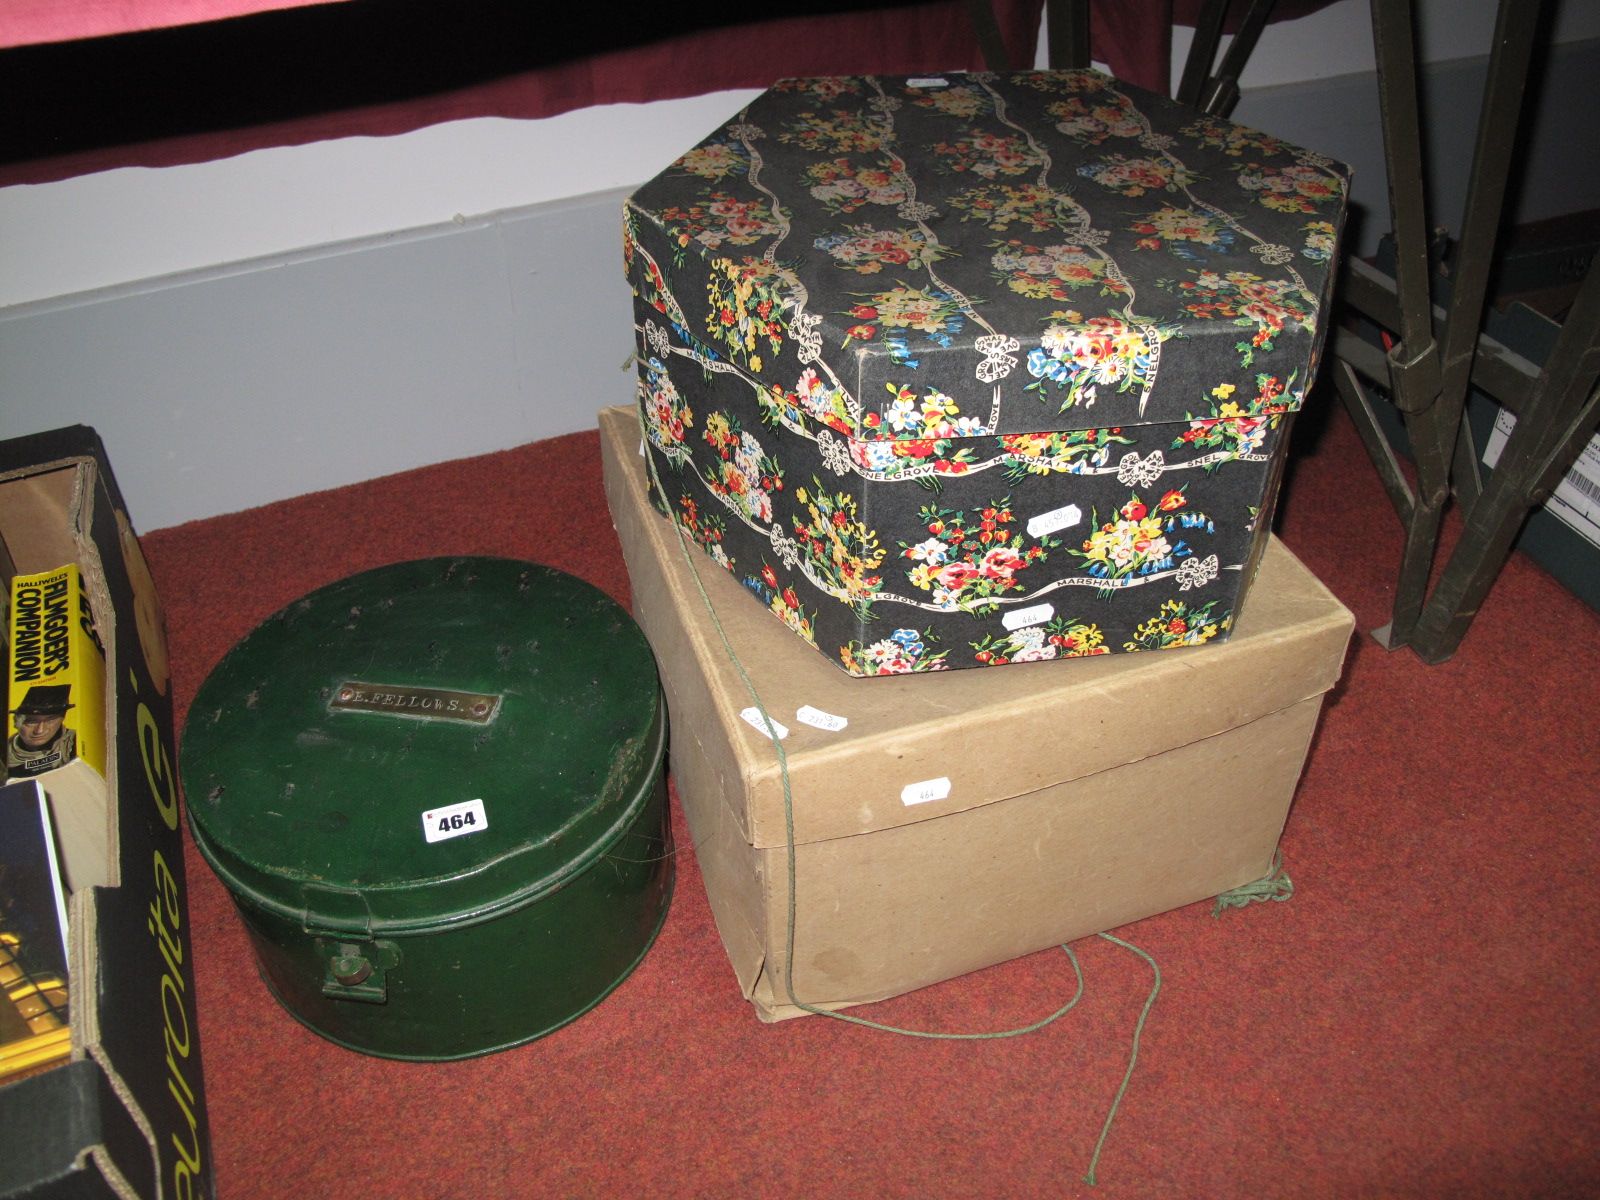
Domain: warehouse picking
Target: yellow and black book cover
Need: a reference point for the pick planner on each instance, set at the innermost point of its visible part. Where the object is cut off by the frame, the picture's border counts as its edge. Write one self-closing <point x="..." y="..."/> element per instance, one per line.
<point x="56" y="675"/>
<point x="57" y="713"/>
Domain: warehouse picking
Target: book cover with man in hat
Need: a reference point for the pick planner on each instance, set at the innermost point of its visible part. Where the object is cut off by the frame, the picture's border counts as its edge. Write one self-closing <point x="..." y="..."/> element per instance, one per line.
<point x="56" y="676"/>
<point x="56" y="703"/>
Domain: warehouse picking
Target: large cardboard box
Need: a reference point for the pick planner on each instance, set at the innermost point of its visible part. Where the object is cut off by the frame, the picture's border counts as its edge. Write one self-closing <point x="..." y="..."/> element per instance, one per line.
<point x="978" y="369"/>
<point x="126" y="1115"/>
<point x="943" y="823"/>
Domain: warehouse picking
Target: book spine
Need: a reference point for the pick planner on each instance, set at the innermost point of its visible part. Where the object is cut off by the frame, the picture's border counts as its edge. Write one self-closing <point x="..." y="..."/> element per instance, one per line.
<point x="55" y="670"/>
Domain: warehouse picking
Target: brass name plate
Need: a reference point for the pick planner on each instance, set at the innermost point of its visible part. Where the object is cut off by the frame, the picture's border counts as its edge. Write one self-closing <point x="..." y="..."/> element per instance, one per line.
<point x="427" y="704"/>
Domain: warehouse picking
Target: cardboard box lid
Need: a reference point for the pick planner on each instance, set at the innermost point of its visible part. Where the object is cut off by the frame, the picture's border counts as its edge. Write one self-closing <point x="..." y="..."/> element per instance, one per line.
<point x="906" y="258"/>
<point x="915" y="747"/>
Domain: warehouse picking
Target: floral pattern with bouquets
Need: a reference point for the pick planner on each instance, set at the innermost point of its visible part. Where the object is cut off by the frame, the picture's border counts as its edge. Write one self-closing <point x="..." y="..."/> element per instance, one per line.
<point x="649" y="285"/>
<point x="836" y="545"/>
<point x="1136" y="176"/>
<point x="916" y="430"/>
<point x="1298" y="188"/>
<point x="901" y="316"/>
<point x="843" y="186"/>
<point x="1078" y="357"/>
<point x="743" y="473"/>
<point x="1138" y="539"/>
<point x="668" y="416"/>
<point x="814" y="397"/>
<point x="987" y="155"/>
<point x="960" y="101"/>
<point x="903" y="652"/>
<point x="1001" y="206"/>
<point x="1059" y="451"/>
<point x="823" y="88"/>
<point x="891" y="460"/>
<point x="932" y="414"/>
<point x="707" y="529"/>
<point x="1321" y="237"/>
<point x="1233" y="140"/>
<point x="782" y="601"/>
<point x="716" y="159"/>
<point x="1239" y="429"/>
<point x="1184" y="232"/>
<point x="969" y="559"/>
<point x="907" y="321"/>
<point x="866" y="250"/>
<point x="909" y="418"/>
<point x="1052" y="272"/>
<point x="747" y="308"/>
<point x="1179" y="623"/>
<point x="1060" y="637"/>
<point x="841" y="131"/>
<point x="1266" y="306"/>
<point x="722" y="220"/>
<point x="1092" y="122"/>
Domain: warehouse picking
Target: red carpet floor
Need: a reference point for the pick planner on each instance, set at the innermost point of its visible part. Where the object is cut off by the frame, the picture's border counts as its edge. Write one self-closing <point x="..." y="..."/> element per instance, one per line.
<point x="1422" y="1019"/>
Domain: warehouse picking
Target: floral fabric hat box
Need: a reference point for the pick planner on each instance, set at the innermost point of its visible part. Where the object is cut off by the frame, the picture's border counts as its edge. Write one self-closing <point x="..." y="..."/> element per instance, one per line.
<point x="976" y="369"/>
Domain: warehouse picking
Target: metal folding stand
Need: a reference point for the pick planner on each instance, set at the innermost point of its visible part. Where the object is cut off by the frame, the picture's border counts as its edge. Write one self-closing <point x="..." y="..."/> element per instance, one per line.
<point x="1067" y="28"/>
<point x="1442" y="352"/>
<point x="1211" y="92"/>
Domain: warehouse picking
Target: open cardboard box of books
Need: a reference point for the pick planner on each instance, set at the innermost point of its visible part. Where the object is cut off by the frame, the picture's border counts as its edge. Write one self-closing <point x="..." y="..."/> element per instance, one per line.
<point x="100" y="1076"/>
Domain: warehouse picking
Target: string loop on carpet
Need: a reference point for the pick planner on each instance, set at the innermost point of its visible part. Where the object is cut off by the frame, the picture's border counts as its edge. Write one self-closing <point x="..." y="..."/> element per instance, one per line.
<point x="1275" y="885"/>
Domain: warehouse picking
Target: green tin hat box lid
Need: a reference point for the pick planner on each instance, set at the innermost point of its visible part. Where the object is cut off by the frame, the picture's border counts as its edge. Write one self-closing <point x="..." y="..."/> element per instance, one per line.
<point x="425" y="746"/>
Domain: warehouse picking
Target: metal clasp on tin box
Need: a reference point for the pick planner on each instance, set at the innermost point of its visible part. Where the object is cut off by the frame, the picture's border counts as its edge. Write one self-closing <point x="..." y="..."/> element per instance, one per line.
<point x="356" y="963"/>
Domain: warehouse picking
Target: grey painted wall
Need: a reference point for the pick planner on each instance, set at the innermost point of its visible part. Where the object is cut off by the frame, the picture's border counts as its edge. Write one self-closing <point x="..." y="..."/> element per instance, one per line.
<point x="220" y="390"/>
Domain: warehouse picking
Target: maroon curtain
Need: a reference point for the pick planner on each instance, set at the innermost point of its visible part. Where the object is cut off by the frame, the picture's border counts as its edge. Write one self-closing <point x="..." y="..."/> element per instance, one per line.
<point x="375" y="69"/>
<point x="152" y="96"/>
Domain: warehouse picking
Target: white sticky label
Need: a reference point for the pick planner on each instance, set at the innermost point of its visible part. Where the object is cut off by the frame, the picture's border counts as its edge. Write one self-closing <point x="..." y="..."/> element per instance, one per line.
<point x="818" y="719"/>
<point x="928" y="81"/>
<point x="454" y="820"/>
<point x="752" y="716"/>
<point x="1059" y="518"/>
<point x="1576" y="499"/>
<point x="928" y="789"/>
<point x="1021" y="618"/>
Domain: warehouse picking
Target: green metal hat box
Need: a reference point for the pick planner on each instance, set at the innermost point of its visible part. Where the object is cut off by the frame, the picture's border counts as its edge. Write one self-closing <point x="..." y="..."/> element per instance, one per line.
<point x="436" y="792"/>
